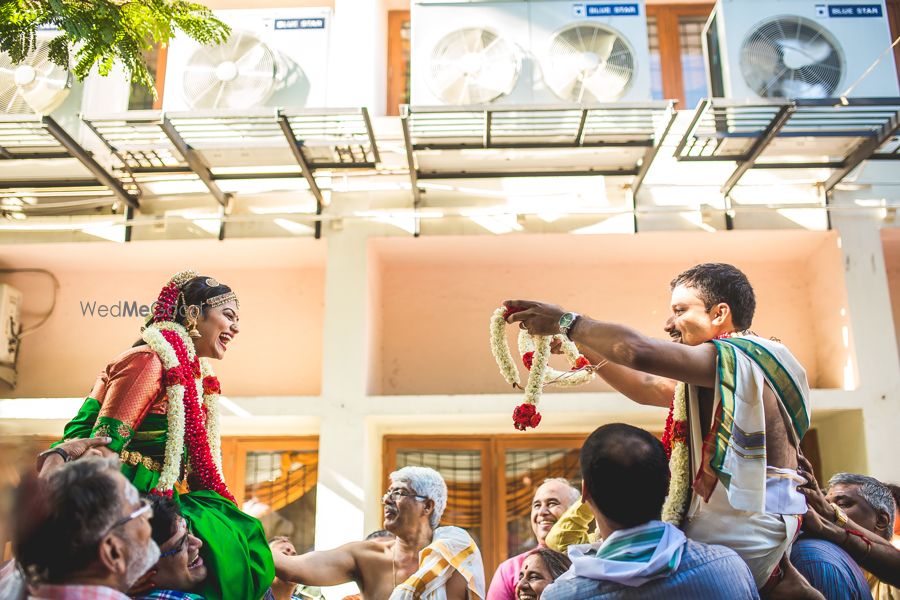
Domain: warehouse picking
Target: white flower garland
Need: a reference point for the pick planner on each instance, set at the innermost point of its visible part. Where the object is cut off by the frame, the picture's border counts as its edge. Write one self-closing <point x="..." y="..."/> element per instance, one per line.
<point x="553" y="376"/>
<point x="211" y="401"/>
<point x="675" y="505"/>
<point x="171" y="468"/>
<point x="500" y="348"/>
<point x="540" y="374"/>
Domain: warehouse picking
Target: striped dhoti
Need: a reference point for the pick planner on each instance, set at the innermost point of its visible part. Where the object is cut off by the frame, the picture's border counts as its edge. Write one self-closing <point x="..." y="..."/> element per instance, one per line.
<point x="452" y="549"/>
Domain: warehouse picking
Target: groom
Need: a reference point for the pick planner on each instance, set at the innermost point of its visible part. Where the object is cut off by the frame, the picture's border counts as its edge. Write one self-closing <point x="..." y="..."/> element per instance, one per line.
<point x="747" y="404"/>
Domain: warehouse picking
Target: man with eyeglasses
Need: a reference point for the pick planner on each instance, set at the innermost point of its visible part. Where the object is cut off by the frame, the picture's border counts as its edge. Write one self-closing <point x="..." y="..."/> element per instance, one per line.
<point x="180" y="569"/>
<point x="423" y="561"/>
<point x="83" y="532"/>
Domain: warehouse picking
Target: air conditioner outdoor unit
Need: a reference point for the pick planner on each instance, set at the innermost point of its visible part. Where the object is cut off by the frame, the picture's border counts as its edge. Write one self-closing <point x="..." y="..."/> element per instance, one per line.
<point x="528" y="52"/>
<point x="10" y="328"/>
<point x="36" y="85"/>
<point x="276" y="57"/>
<point x="798" y="49"/>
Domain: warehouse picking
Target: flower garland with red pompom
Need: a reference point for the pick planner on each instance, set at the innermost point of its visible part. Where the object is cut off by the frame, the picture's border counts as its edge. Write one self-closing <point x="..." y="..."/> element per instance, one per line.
<point x="190" y="421"/>
<point x="535" y="352"/>
<point x="579" y="374"/>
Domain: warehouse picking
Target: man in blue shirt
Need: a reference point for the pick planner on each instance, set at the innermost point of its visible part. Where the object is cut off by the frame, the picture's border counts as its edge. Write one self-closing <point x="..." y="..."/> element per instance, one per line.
<point x="625" y="479"/>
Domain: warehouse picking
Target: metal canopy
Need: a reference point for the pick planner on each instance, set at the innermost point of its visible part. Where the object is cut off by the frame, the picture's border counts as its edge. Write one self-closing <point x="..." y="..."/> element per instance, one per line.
<point x="40" y="138"/>
<point x="488" y="141"/>
<point x="239" y="145"/>
<point x="831" y="133"/>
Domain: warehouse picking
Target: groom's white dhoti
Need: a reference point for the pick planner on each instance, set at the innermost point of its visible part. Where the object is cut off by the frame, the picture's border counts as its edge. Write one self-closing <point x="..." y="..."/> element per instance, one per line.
<point x="738" y="500"/>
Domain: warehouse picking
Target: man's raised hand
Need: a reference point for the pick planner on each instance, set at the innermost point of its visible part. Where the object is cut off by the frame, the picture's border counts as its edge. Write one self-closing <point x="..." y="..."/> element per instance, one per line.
<point x="536" y="317"/>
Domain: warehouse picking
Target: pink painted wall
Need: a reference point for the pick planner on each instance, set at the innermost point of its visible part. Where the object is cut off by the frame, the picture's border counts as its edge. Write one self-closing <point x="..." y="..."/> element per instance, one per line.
<point x="280" y="284"/>
<point x="437" y="295"/>
<point x="890" y="240"/>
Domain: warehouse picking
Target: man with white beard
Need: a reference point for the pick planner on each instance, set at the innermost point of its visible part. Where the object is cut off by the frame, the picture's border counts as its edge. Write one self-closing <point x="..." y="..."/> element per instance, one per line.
<point x="83" y="532"/>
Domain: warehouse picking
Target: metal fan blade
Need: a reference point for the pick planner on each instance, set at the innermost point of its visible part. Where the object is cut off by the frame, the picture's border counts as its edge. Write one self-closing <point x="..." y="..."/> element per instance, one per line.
<point x="471" y="66"/>
<point x="238" y="73"/>
<point x="586" y="63"/>
<point x="791" y="57"/>
<point x="47" y="87"/>
<point x="803" y="53"/>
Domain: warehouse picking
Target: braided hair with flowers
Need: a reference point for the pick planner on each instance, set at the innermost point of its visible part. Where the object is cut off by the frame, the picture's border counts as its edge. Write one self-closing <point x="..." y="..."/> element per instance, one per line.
<point x="192" y="388"/>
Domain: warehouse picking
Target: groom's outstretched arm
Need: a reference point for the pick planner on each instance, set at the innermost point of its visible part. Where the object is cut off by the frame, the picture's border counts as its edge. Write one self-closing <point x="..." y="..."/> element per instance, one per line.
<point x="695" y="365"/>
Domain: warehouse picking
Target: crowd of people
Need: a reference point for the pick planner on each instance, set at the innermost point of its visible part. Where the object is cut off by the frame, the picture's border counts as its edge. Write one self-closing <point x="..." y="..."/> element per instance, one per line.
<point x="131" y="503"/>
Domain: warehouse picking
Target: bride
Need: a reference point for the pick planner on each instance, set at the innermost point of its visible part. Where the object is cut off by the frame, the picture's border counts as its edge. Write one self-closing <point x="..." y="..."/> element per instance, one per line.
<point x="158" y="404"/>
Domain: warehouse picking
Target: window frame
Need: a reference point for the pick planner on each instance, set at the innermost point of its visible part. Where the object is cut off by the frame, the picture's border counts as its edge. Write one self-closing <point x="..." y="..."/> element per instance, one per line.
<point x="396" y="65"/>
<point x="670" y="66"/>
<point x="235" y="449"/>
<point x="493" y="450"/>
<point x="893" y="15"/>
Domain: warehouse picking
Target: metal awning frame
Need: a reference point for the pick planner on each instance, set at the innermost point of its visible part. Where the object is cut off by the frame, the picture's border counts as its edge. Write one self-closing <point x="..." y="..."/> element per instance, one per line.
<point x="72" y="149"/>
<point x="193" y="162"/>
<point x="870" y="140"/>
<point x="651" y="142"/>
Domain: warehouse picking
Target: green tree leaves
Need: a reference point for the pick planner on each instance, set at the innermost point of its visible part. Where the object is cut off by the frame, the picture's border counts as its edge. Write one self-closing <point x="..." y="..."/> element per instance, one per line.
<point x="102" y="32"/>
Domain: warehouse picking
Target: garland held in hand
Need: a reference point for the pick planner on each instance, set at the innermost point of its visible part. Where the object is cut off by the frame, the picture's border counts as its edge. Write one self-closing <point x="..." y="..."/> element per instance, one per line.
<point x="535" y="352"/>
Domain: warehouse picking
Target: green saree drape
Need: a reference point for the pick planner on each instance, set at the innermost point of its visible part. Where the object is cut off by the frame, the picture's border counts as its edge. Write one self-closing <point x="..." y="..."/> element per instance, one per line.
<point x="235" y="550"/>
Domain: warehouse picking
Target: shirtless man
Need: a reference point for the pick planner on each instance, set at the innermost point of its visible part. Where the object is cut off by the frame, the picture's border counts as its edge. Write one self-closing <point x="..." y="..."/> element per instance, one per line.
<point x="413" y="506"/>
<point x="732" y="504"/>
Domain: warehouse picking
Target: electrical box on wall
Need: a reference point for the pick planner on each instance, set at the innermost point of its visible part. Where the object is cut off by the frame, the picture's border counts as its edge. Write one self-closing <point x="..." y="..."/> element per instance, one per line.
<point x="10" y="328"/>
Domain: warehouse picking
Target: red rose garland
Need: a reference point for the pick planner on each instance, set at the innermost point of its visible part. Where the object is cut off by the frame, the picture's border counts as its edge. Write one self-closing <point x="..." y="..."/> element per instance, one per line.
<point x="675" y="431"/>
<point x="164" y="309"/>
<point x="525" y="416"/>
<point x="194" y="427"/>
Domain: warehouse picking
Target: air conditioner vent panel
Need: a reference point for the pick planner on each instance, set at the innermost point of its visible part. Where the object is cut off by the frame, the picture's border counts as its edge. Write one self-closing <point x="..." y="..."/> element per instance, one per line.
<point x="238" y="73"/>
<point x="791" y="57"/>
<point x="588" y="63"/>
<point x="35" y="85"/>
<point x="473" y="66"/>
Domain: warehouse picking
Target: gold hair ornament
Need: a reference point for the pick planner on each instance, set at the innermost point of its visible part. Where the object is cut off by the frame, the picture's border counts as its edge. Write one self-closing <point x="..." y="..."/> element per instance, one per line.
<point x="217" y="301"/>
<point x="182" y="277"/>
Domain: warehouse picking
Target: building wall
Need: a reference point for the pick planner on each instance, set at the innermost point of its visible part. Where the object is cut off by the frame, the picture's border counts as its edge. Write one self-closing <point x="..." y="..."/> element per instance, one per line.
<point x="438" y="293"/>
<point x="890" y="240"/>
<point x="279" y="283"/>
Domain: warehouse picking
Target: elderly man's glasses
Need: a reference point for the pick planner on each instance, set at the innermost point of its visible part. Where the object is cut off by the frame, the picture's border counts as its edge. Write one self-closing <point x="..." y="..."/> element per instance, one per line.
<point x="395" y="495"/>
<point x="180" y="545"/>
<point x="144" y="509"/>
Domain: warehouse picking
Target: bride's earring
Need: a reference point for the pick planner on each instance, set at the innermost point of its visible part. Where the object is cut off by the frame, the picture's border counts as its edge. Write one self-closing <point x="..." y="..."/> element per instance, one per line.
<point x="193" y="315"/>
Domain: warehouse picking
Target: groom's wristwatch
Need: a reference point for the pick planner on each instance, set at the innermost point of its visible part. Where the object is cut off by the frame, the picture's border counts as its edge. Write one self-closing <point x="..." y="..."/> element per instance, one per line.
<point x="566" y="322"/>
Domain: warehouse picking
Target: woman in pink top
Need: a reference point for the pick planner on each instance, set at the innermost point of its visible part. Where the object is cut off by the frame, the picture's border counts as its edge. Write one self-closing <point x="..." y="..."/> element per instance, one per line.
<point x="550" y="501"/>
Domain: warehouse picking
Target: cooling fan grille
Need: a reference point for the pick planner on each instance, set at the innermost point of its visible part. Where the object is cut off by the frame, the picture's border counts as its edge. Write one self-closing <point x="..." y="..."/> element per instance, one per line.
<point x="473" y="66"/>
<point x="791" y="57"/>
<point x="35" y="85"/>
<point x="588" y="63"/>
<point x="239" y="73"/>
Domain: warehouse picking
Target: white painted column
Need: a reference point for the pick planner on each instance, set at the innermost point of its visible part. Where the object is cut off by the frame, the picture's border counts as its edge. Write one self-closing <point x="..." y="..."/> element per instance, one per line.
<point x="342" y="437"/>
<point x="358" y="56"/>
<point x="876" y="349"/>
